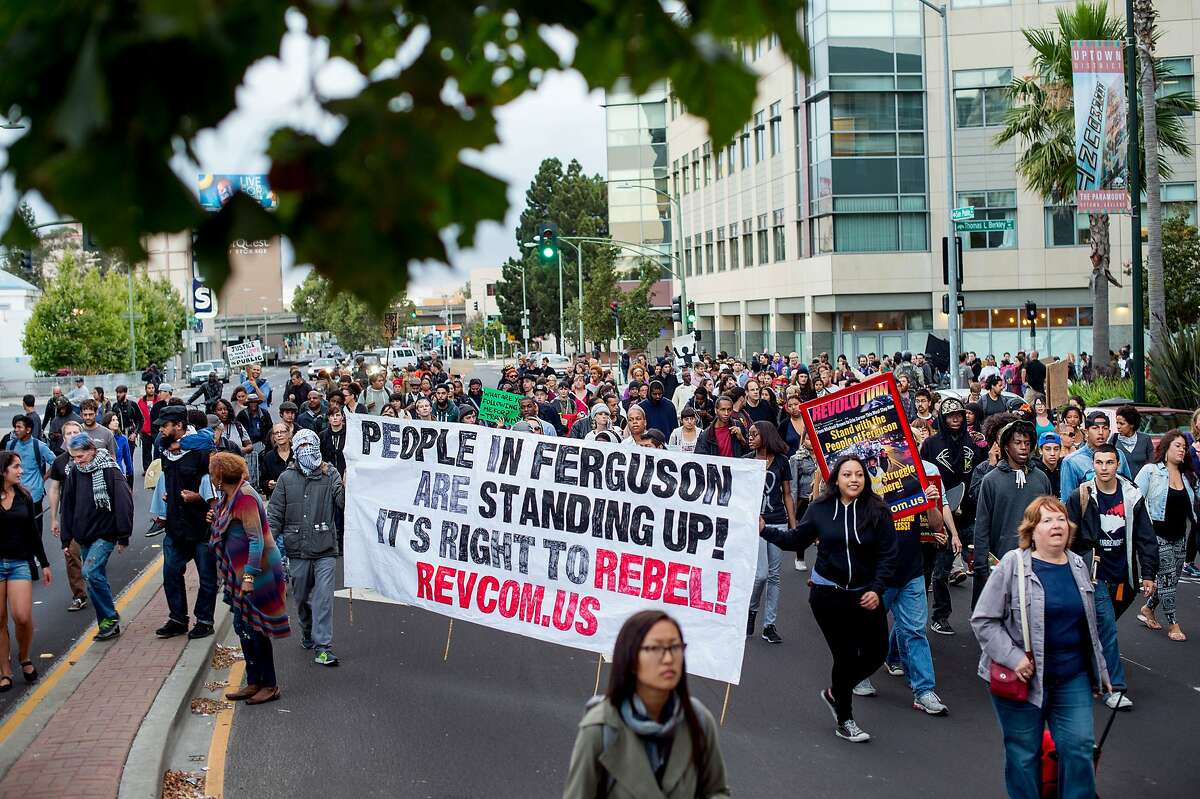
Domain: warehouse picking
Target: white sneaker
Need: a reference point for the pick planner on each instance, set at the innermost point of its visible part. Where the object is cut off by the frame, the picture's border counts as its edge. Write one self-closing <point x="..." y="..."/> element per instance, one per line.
<point x="931" y="703"/>
<point x="801" y="566"/>
<point x="865" y="688"/>
<point x="894" y="669"/>
<point x="851" y="732"/>
<point x="1118" y="700"/>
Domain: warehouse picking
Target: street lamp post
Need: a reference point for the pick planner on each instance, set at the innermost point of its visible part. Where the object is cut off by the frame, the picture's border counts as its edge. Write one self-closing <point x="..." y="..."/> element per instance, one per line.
<point x="953" y="265"/>
<point x="579" y="279"/>
<point x="676" y="235"/>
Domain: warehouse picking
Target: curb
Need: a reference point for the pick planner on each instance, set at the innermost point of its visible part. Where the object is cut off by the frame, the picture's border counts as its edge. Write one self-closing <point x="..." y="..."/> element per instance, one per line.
<point x="142" y="776"/>
<point x="68" y="674"/>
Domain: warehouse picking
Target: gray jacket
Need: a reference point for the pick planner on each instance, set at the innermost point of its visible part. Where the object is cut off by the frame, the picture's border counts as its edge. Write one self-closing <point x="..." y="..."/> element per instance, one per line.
<point x="301" y="511"/>
<point x="1000" y="508"/>
<point x="624" y="761"/>
<point x="996" y="620"/>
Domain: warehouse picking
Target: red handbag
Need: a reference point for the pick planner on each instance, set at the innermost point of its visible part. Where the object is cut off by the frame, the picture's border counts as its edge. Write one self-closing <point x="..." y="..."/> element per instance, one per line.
<point x="1003" y="681"/>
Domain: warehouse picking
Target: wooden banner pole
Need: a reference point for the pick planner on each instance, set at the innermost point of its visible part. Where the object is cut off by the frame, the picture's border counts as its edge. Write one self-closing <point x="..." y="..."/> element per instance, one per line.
<point x="725" y="704"/>
<point x="449" y="632"/>
<point x="351" y="606"/>
<point x="599" y="663"/>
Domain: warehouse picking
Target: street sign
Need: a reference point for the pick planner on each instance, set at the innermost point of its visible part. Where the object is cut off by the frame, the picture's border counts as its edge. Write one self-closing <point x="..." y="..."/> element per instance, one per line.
<point x="985" y="225"/>
<point x="966" y="212"/>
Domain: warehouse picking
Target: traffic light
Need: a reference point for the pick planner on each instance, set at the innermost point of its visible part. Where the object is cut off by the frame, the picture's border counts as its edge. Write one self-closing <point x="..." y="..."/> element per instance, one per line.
<point x="691" y="314"/>
<point x="946" y="262"/>
<point x="1031" y="311"/>
<point x="676" y="309"/>
<point x="547" y="242"/>
<point x="615" y="308"/>
<point x="946" y="304"/>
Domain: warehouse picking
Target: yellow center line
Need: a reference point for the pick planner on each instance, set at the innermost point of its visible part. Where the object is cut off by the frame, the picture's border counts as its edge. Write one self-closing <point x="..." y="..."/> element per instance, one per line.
<point x="214" y="780"/>
<point x="72" y="657"/>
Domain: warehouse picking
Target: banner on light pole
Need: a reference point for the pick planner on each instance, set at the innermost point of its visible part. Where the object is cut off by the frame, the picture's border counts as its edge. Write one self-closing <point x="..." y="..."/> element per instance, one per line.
<point x="1101" y="135"/>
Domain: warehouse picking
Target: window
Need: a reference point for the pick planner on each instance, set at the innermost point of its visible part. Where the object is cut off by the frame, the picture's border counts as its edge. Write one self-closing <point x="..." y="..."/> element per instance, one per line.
<point x="699" y="257"/>
<point x="1178" y="199"/>
<point x="708" y="252"/>
<point x="758" y="49"/>
<point x="491" y="289"/>
<point x="745" y="149"/>
<point x="731" y="155"/>
<point x="991" y="205"/>
<point x="685" y="177"/>
<point x="981" y="97"/>
<point x="687" y="255"/>
<point x="707" y="159"/>
<point x="721" y="249"/>
<point x="747" y="243"/>
<point x="733" y="245"/>
<point x="777" y="235"/>
<point x="675" y="177"/>
<point x="760" y="133"/>
<point x="776" y="129"/>
<point x="718" y="162"/>
<point x="772" y="41"/>
<point x="696" y="169"/>
<point x="1180" y="77"/>
<point x="763" y="250"/>
<point x="1066" y="227"/>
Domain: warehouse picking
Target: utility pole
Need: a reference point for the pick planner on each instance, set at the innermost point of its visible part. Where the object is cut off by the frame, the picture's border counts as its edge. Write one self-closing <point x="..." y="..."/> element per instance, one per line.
<point x="1135" y="208"/>
<point x="132" y="340"/>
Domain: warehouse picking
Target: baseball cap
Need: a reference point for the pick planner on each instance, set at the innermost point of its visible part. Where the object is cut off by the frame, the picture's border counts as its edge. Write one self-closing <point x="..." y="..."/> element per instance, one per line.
<point x="1096" y="419"/>
<point x="78" y="379"/>
<point x="951" y="405"/>
<point x="1049" y="437"/>
<point x="167" y="387"/>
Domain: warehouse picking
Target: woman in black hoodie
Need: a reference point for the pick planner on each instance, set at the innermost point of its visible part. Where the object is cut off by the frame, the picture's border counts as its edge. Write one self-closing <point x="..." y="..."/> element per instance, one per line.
<point x="856" y="553"/>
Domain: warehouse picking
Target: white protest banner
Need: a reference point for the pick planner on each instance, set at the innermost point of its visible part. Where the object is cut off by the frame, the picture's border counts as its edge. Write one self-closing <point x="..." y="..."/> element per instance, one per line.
<point x="244" y="353"/>
<point x="554" y="538"/>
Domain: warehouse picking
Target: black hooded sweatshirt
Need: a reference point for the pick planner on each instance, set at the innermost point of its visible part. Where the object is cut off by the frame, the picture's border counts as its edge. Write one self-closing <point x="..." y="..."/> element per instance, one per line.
<point x="856" y="543"/>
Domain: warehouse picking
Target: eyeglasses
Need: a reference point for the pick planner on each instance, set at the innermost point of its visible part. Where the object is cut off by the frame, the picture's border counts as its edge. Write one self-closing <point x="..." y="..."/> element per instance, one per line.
<point x="657" y="651"/>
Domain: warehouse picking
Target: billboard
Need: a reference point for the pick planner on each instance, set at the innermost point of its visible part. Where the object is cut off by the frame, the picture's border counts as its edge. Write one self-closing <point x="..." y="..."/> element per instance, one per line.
<point x="1101" y="139"/>
<point x="216" y="190"/>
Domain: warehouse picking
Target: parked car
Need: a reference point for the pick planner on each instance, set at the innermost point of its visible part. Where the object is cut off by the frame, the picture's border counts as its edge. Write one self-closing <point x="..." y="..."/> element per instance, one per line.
<point x="402" y="357"/>
<point x="222" y="369"/>
<point x="199" y="372"/>
<point x="561" y="363"/>
<point x="314" y="368"/>
<point x="1156" y="420"/>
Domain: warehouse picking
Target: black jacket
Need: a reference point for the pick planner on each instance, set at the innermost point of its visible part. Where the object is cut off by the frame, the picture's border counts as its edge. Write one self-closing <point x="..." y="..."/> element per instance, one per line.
<point x="210" y="390"/>
<point x="261" y="434"/>
<point x="185" y="520"/>
<point x="270" y="466"/>
<point x="297" y="394"/>
<point x="707" y="445"/>
<point x="1141" y="545"/>
<point x="129" y="414"/>
<point x="856" y="545"/>
<point x="332" y="446"/>
<point x="83" y="522"/>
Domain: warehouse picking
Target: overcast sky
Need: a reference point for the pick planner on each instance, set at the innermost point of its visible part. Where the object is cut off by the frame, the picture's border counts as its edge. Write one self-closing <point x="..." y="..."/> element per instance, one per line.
<point x="561" y="119"/>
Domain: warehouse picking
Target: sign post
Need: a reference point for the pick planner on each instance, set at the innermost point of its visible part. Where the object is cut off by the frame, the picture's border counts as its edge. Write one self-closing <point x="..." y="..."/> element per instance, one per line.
<point x="985" y="225"/>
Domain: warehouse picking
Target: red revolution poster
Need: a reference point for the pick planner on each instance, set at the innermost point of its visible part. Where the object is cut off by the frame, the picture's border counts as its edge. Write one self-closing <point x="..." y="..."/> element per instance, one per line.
<point x="867" y="420"/>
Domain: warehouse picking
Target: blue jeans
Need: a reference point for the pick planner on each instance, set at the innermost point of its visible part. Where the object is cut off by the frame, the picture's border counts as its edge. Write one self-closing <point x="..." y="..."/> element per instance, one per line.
<point x="14" y="570"/>
<point x="907" y="642"/>
<point x="176" y="555"/>
<point x="95" y="573"/>
<point x="1067" y="708"/>
<point x="770" y="560"/>
<point x="1106" y="626"/>
<point x="256" y="649"/>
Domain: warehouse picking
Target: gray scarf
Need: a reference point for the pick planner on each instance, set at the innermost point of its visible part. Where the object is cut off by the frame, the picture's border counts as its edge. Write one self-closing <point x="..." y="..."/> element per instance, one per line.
<point x="95" y="467"/>
<point x="1127" y="443"/>
<point x="656" y="736"/>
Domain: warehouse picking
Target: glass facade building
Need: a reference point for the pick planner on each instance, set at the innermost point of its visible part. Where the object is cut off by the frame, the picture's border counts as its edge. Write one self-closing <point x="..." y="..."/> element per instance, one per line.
<point x="639" y="206"/>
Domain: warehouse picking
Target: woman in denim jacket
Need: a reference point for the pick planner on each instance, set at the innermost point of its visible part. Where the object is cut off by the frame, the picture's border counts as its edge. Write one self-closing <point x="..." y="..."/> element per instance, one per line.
<point x="1171" y="502"/>
<point x="1062" y="663"/>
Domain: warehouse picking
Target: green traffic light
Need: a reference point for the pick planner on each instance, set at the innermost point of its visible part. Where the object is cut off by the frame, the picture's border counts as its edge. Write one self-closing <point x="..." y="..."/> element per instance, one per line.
<point x="547" y="252"/>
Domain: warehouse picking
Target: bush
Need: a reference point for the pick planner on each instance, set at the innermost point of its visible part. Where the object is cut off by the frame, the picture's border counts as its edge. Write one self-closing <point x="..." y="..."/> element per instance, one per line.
<point x="1175" y="368"/>
<point x="1104" y="388"/>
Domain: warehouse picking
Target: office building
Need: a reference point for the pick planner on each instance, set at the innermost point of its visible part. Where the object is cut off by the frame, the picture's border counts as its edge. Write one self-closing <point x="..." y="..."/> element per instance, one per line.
<point x="820" y="226"/>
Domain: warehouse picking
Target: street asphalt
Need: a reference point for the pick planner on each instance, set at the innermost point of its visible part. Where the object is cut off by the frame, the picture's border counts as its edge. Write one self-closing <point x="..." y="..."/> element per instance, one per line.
<point x="498" y="717"/>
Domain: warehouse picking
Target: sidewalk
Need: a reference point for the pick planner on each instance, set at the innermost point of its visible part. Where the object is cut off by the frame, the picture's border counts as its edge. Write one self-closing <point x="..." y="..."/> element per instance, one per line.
<point x="82" y="749"/>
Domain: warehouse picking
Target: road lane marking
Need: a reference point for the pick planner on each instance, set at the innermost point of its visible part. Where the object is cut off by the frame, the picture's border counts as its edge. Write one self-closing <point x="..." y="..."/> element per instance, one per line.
<point x="81" y="646"/>
<point x="214" y="779"/>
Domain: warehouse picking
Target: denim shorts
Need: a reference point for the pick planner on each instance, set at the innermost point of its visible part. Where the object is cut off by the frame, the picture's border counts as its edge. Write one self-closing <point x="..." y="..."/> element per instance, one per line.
<point x="14" y="570"/>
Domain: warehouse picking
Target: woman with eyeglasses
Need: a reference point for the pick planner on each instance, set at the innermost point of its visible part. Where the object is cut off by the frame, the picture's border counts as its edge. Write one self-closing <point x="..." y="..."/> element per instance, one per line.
<point x="646" y="736"/>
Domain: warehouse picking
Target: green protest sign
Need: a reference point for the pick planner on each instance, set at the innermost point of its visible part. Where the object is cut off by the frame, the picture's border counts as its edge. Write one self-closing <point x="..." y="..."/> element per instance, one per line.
<point x="497" y="405"/>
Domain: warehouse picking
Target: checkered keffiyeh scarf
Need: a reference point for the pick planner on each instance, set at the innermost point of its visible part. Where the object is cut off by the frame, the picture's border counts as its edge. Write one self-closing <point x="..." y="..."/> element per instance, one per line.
<point x="95" y="467"/>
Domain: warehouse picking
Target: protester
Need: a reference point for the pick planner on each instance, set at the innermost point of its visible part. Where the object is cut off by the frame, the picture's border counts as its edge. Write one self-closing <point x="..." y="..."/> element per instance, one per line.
<point x="1167" y="485"/>
<point x="1078" y="467"/>
<point x="22" y="560"/>
<point x="1109" y="513"/>
<point x="1136" y="446"/>
<point x="725" y="436"/>
<point x="124" y="453"/>
<point x="275" y="460"/>
<point x="252" y="574"/>
<point x="777" y="509"/>
<point x="1004" y="493"/>
<point x="77" y="395"/>
<point x="685" y="437"/>
<point x="1054" y="626"/>
<point x="255" y="383"/>
<point x="129" y="414"/>
<point x="646" y="736"/>
<point x="71" y="556"/>
<point x="186" y="454"/>
<point x="97" y="513"/>
<point x="312" y="414"/>
<point x="63" y="413"/>
<point x="146" y="429"/>
<point x="848" y="581"/>
<point x="303" y="509"/>
<point x="35" y="458"/>
<point x="210" y="389"/>
<point x="1049" y="459"/>
<point x="297" y="388"/>
<point x="103" y="437"/>
<point x="803" y="467"/>
<point x="953" y="452"/>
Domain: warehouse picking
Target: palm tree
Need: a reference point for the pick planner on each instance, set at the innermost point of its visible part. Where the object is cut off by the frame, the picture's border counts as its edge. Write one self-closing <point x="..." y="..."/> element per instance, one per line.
<point x="1042" y="117"/>
<point x="1143" y="20"/>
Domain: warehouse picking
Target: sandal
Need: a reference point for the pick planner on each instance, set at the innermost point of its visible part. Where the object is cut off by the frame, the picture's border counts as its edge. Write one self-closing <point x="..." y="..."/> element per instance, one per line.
<point x="1176" y="634"/>
<point x="30" y="676"/>
<point x="1146" y="617"/>
<point x="6" y="683"/>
